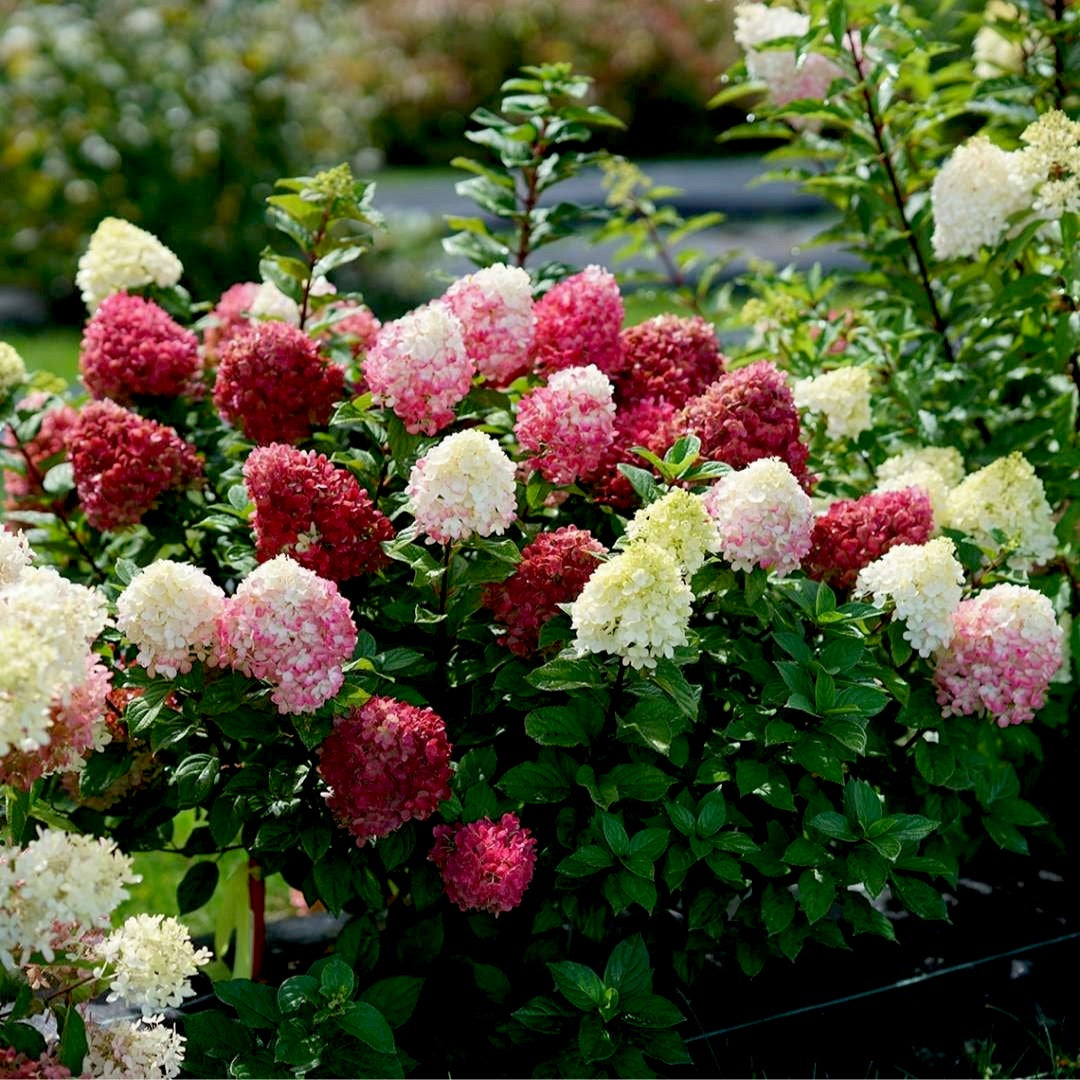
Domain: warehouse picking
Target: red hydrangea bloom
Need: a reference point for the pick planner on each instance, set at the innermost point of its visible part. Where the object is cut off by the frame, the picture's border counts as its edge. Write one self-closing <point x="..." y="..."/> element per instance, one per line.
<point x="360" y="325"/>
<point x="552" y="571"/>
<point x="668" y="358"/>
<point x="229" y="316"/>
<point x="23" y="490"/>
<point x="385" y="763"/>
<point x="852" y="533"/>
<point x="274" y="385"/>
<point x="746" y="415"/>
<point x="131" y="348"/>
<point x="124" y="462"/>
<point x="578" y="323"/>
<point x="485" y="865"/>
<point x="314" y="512"/>
<point x="647" y="423"/>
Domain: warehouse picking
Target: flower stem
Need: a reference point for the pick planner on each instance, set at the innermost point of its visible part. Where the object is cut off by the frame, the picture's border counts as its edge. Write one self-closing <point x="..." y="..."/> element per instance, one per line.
<point x="257" y="904"/>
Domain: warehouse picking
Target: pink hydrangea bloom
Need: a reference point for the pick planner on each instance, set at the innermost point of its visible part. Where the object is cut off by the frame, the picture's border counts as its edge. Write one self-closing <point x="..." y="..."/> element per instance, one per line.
<point x="77" y="726"/>
<point x="647" y="423"/>
<point x="552" y="571"/>
<point x="385" y="763"/>
<point x="133" y="348"/>
<point x="746" y="415"/>
<point x="419" y="367"/>
<point x="230" y="316"/>
<point x="852" y="533"/>
<point x="123" y="463"/>
<point x="274" y="385"/>
<point x="667" y="358"/>
<point x="485" y="865"/>
<point x="1005" y="649"/>
<point x="18" y="1066"/>
<point x="359" y="325"/>
<point x="292" y="629"/>
<point x="22" y="489"/>
<point x="315" y="512"/>
<point x="495" y="308"/>
<point x="567" y="425"/>
<point x="578" y="322"/>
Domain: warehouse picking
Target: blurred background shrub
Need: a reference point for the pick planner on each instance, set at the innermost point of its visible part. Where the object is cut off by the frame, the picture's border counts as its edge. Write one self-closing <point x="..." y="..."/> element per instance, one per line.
<point x="179" y="116"/>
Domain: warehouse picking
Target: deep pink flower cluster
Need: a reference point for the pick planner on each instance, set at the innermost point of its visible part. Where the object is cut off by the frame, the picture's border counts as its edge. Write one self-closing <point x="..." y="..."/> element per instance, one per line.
<point x="132" y="348"/>
<point x="274" y="385"/>
<point x="667" y="358"/>
<point x="567" y="425"/>
<point x="852" y="533"/>
<point x="291" y="628"/>
<point x="124" y="462"/>
<point x="359" y="325"/>
<point x="553" y="570"/>
<point x="649" y="424"/>
<point x="23" y="490"/>
<point x="1005" y="649"/>
<point x="578" y="322"/>
<point x="315" y="512"/>
<point x="746" y="415"/>
<point x="17" y="1066"/>
<point x="485" y="865"/>
<point x="75" y="726"/>
<point x="385" y="763"/>
<point x="229" y="316"/>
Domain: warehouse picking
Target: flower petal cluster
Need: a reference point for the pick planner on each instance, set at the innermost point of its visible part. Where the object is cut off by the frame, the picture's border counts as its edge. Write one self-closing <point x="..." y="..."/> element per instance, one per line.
<point x="355" y="322"/>
<point x="636" y="606"/>
<point x="1006" y="496"/>
<point x="578" y="323"/>
<point x="667" y="358"/>
<point x="495" y="308"/>
<point x="745" y="415"/>
<point x="462" y="486"/>
<point x="924" y="582"/>
<point x="994" y="53"/>
<point x="419" y="367"/>
<point x="292" y="629"/>
<point x="763" y="517"/>
<point x="153" y="961"/>
<point x="553" y="570"/>
<point x="1049" y="164"/>
<point x="123" y="256"/>
<point x="315" y="512"/>
<point x="385" y="763"/>
<point x="56" y="889"/>
<point x="124" y="462"/>
<point x="842" y="396"/>
<point x="230" y="315"/>
<point x="274" y="385"/>
<point x="22" y="489"/>
<point x="650" y="424"/>
<point x="269" y="302"/>
<point x="146" y="1048"/>
<point x="935" y="469"/>
<point x="131" y="348"/>
<point x="485" y="865"/>
<point x="12" y="369"/>
<point x="852" y="533"/>
<point x="679" y="523"/>
<point x="567" y="425"/>
<point x="15" y="556"/>
<point x="47" y="1064"/>
<point x="1005" y="648"/>
<point x="169" y="611"/>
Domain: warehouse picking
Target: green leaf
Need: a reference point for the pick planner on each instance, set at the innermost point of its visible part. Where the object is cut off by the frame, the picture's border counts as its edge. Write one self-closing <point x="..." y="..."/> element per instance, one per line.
<point x="936" y="763"/>
<point x="337" y="979"/>
<point x="255" y="1003"/>
<point x="777" y="909"/>
<point x="594" y="1042"/>
<point x="670" y="679"/>
<point x="364" y="1022"/>
<point x="197" y="886"/>
<point x="590" y="859"/>
<point x="541" y="1014"/>
<point x="646" y="783"/>
<point x="580" y="985"/>
<point x="639" y="890"/>
<point x="712" y="813"/>
<point x="217" y="1035"/>
<point x="565" y="725"/>
<point x="73" y="1045"/>
<point x="195" y="777"/>
<point x="296" y="992"/>
<point x="833" y="825"/>
<point x="628" y="968"/>
<point x="920" y="897"/>
<point x="615" y="834"/>
<point x="561" y="674"/>
<point x="861" y="803"/>
<point x="534" y="782"/>
<point x="333" y="875"/>
<point x="871" y="868"/>
<point x="816" y="892"/>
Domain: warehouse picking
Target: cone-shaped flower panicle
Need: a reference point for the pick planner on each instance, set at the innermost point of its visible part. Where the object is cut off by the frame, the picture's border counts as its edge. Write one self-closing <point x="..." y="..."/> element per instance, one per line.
<point x="578" y="322"/>
<point x="842" y="396"/>
<point x="667" y="358"/>
<point x="679" y="523"/>
<point x="123" y="256"/>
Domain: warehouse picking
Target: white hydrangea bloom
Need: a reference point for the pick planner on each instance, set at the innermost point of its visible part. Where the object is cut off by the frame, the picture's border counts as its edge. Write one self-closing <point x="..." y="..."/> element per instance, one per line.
<point x="995" y="54"/>
<point x="925" y="582"/>
<point x="128" y="1048"/>
<point x="12" y="369"/>
<point x="842" y="397"/>
<point x="679" y="523"/>
<point x="123" y="256"/>
<point x="56" y="889"/>
<point x="153" y="960"/>
<point x="463" y="486"/>
<point x="973" y="195"/>
<point x="269" y="302"/>
<point x="15" y="556"/>
<point x="170" y="611"/>
<point x="946" y="461"/>
<point x="1049" y="164"/>
<point x="1006" y="495"/>
<point x="636" y="606"/>
<point x="763" y="516"/>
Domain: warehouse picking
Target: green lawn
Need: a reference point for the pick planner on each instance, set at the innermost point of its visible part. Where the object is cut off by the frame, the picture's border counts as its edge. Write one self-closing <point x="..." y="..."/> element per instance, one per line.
<point x="55" y="350"/>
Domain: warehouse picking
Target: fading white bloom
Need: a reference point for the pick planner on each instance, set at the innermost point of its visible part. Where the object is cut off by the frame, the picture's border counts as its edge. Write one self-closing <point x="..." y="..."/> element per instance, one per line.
<point x="925" y="583"/>
<point x="995" y="54"/>
<point x="1049" y="164"/>
<point x="679" y="523"/>
<point x="12" y="369"/>
<point x="143" y="1048"/>
<point x="269" y="302"/>
<point x="935" y="469"/>
<point x="123" y="256"/>
<point x="170" y="611"/>
<point x="842" y="397"/>
<point x="15" y="556"/>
